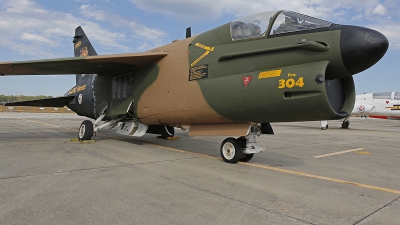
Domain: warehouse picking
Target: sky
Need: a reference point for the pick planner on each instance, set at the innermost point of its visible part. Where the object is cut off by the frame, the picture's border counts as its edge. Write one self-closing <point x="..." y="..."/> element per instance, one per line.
<point x="41" y="29"/>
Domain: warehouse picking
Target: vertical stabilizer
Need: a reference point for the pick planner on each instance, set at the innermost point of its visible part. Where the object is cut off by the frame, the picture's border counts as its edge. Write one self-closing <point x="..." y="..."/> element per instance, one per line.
<point x="82" y="47"/>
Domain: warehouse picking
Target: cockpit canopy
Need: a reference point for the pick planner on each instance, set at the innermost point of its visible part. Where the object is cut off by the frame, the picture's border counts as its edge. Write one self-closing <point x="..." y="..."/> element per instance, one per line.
<point x="257" y="25"/>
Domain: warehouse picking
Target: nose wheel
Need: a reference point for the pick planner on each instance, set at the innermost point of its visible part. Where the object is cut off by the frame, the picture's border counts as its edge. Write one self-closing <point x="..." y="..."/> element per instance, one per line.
<point x="246" y="157"/>
<point x="243" y="148"/>
<point x="231" y="150"/>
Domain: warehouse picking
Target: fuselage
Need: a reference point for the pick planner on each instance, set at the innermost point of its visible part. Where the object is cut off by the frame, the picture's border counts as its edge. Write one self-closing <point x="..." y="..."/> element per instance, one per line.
<point x="271" y="67"/>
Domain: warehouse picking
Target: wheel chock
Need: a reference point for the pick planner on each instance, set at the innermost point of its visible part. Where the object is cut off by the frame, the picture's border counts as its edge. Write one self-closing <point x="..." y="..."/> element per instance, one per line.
<point x="76" y="140"/>
<point x="168" y="138"/>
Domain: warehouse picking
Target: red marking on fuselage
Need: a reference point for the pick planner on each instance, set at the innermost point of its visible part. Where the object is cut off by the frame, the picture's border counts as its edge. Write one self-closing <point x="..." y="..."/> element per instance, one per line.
<point x="246" y="80"/>
<point x="378" y="117"/>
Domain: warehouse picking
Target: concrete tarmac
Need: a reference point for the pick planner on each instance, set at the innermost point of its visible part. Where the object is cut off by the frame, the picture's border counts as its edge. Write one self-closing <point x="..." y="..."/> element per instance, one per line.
<point x="307" y="176"/>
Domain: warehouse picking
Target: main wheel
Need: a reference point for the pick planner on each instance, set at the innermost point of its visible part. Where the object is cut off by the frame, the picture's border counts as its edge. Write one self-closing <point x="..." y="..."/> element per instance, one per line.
<point x="85" y="130"/>
<point x="231" y="150"/>
<point x="246" y="157"/>
<point x="345" y="124"/>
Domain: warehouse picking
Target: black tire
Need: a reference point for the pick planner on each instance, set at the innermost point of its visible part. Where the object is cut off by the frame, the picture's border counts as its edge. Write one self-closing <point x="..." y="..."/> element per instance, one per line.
<point x="85" y="130"/>
<point x="231" y="150"/>
<point x="325" y="128"/>
<point x="242" y="141"/>
<point x="345" y="124"/>
<point x="246" y="158"/>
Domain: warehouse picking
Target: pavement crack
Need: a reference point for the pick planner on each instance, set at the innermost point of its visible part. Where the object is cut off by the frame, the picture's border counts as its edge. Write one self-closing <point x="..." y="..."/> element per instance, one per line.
<point x="227" y="197"/>
<point x="94" y="168"/>
<point x="369" y="215"/>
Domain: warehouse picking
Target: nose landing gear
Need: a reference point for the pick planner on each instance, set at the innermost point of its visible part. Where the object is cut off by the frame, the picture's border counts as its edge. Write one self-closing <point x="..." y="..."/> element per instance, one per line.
<point x="345" y="123"/>
<point x="241" y="149"/>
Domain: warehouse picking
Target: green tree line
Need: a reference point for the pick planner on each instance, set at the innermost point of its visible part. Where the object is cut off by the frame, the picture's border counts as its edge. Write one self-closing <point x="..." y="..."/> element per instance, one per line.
<point x="18" y="98"/>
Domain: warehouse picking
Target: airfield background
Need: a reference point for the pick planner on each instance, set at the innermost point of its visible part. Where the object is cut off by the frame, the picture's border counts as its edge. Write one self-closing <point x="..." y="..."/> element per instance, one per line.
<point x="34" y="109"/>
<point x="29" y="109"/>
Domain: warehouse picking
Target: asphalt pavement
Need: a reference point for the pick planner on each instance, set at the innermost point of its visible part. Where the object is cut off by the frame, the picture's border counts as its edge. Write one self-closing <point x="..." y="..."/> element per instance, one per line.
<point x="307" y="175"/>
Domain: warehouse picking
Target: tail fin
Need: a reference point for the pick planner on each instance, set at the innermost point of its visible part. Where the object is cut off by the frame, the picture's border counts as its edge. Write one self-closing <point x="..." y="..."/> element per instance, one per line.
<point x="82" y="47"/>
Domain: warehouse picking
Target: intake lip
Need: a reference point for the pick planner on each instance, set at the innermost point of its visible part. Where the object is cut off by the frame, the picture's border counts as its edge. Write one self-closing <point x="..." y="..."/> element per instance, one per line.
<point x="361" y="47"/>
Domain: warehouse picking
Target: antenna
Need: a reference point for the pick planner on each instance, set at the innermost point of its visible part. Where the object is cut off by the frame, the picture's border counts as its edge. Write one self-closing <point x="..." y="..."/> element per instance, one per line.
<point x="188" y="32"/>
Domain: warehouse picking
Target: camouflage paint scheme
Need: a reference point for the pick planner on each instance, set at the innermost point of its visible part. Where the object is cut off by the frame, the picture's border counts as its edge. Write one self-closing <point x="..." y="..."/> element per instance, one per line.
<point x="213" y="84"/>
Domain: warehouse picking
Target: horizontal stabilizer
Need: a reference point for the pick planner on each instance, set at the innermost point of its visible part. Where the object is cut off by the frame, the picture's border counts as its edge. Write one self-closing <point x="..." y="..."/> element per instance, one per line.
<point x="80" y="65"/>
<point x="49" y="102"/>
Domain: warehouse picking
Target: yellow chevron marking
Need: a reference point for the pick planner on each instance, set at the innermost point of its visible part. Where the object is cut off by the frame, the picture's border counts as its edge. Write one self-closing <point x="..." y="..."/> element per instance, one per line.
<point x="208" y="50"/>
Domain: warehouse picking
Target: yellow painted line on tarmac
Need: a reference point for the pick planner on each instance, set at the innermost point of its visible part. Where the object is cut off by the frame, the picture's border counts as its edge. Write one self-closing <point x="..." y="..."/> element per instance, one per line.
<point x="337" y="153"/>
<point x="164" y="147"/>
<point x="181" y="151"/>
<point x="292" y="172"/>
<point x="323" y="178"/>
<point x="144" y="143"/>
<point x="33" y="121"/>
<point x="362" y="152"/>
<point x="47" y="124"/>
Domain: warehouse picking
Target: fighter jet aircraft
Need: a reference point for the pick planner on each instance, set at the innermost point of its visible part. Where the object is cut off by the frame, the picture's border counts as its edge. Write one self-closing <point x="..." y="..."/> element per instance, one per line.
<point x="382" y="105"/>
<point x="233" y="80"/>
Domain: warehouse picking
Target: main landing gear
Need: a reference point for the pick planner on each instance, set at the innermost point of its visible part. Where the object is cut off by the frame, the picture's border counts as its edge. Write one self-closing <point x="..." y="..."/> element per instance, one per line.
<point x="87" y="128"/>
<point x="241" y="149"/>
<point x="324" y="125"/>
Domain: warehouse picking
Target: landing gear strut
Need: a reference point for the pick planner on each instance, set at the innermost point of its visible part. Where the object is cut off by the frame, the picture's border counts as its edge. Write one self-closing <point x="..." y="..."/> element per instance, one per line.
<point x="243" y="148"/>
<point x="324" y="125"/>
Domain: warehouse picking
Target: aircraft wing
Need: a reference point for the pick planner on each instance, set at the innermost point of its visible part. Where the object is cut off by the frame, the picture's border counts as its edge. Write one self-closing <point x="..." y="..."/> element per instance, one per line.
<point x="80" y="65"/>
<point x="49" y="102"/>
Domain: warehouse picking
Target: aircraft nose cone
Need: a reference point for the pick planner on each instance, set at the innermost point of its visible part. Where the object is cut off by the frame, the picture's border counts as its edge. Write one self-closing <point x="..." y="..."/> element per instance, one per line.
<point x="361" y="47"/>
